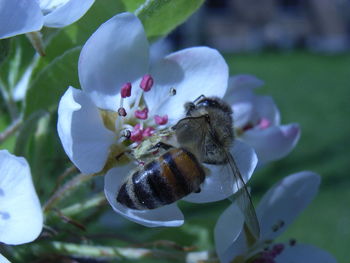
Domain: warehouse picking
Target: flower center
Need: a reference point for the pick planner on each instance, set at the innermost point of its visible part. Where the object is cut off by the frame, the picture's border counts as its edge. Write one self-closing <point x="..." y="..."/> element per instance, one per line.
<point x="134" y="123"/>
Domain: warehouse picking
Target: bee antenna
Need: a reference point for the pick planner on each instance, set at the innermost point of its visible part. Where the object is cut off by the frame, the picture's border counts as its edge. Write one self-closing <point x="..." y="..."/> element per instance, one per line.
<point x="198" y="99"/>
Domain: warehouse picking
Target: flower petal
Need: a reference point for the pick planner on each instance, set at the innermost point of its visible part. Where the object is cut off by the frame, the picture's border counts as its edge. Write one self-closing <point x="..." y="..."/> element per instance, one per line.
<point x="18" y="17"/>
<point x="67" y="13"/>
<point x="272" y="143"/>
<point x="284" y="201"/>
<point x="242" y="114"/>
<point x="19" y="204"/>
<point x="227" y="231"/>
<point x="240" y="84"/>
<point x="82" y="133"/>
<point x="220" y="183"/>
<point x="115" y="54"/>
<point x="304" y="253"/>
<point x="192" y="72"/>
<point x="265" y="107"/>
<point x="3" y="259"/>
<point x="169" y="215"/>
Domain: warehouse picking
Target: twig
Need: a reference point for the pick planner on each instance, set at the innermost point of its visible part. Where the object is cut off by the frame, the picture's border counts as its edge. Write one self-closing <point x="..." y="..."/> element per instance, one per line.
<point x="10" y="130"/>
<point x="66" y="189"/>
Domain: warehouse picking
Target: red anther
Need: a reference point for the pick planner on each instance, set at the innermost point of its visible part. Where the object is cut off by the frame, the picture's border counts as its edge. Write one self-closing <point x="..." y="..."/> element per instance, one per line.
<point x="278" y="248"/>
<point x="136" y="135"/>
<point x="142" y="114"/>
<point x="126" y="90"/>
<point x="148" y="132"/>
<point x="264" y="123"/>
<point x="122" y="112"/>
<point x="161" y="120"/>
<point x="146" y="82"/>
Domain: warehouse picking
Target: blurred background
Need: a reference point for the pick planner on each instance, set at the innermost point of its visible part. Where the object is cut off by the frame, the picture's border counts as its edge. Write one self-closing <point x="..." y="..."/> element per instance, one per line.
<point x="300" y="48"/>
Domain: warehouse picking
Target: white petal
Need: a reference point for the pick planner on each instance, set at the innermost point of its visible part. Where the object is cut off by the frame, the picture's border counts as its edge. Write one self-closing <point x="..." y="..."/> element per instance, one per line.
<point x="169" y="215"/>
<point x="240" y="84"/>
<point x="19" y="204"/>
<point x="227" y="231"/>
<point x="272" y="143"/>
<point x="265" y="107"/>
<point x="242" y="114"/>
<point x="3" y="259"/>
<point x="80" y="127"/>
<point x="285" y="201"/>
<point x="19" y="16"/>
<point x="192" y="72"/>
<point x="115" y="54"/>
<point x="219" y="183"/>
<point x="67" y="13"/>
<point x="304" y="253"/>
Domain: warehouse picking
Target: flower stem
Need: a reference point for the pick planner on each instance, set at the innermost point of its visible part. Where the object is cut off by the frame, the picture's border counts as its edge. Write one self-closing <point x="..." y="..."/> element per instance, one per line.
<point x="10" y="130"/>
<point x="107" y="252"/>
<point x="67" y="188"/>
<point x="77" y="208"/>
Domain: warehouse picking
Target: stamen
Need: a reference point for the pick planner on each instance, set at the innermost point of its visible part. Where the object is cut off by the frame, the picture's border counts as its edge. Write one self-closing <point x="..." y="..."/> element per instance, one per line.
<point x="136" y="135"/>
<point x="141" y="114"/>
<point x="264" y="123"/>
<point x="146" y="83"/>
<point x="126" y="134"/>
<point x="161" y="120"/>
<point x="172" y="91"/>
<point x="277" y="249"/>
<point x="148" y="132"/>
<point x="121" y="112"/>
<point x="126" y="90"/>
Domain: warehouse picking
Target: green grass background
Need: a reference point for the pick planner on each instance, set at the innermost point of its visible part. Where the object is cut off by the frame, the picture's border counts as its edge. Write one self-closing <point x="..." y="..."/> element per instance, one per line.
<point x="314" y="91"/>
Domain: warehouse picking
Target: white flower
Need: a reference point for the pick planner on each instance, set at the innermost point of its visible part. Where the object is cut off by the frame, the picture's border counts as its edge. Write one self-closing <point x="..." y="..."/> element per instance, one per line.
<point x="278" y="208"/>
<point x="21" y="218"/>
<point x="113" y="65"/>
<point x="24" y="16"/>
<point x="257" y="120"/>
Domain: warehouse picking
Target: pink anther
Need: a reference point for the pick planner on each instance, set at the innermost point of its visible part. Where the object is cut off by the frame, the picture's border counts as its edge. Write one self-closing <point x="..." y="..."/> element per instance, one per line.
<point x="161" y="120"/>
<point x="126" y="90"/>
<point x="146" y="82"/>
<point x="264" y="123"/>
<point x="141" y="114"/>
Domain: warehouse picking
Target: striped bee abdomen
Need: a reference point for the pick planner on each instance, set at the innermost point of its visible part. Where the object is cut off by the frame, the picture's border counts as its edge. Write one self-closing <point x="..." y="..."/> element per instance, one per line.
<point x="174" y="175"/>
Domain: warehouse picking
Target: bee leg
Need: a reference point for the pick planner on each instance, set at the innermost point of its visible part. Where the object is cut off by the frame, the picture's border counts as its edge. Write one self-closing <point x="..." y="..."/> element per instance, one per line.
<point x="161" y="145"/>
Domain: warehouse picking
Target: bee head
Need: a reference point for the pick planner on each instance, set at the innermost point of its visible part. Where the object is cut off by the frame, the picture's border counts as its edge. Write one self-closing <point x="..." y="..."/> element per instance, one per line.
<point x="205" y="103"/>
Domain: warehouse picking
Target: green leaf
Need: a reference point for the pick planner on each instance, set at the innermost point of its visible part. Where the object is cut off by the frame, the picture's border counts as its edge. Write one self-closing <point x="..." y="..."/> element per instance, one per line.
<point x="50" y="84"/>
<point x="4" y="49"/>
<point x="58" y="41"/>
<point x="159" y="17"/>
<point x="132" y="5"/>
<point x="26" y="131"/>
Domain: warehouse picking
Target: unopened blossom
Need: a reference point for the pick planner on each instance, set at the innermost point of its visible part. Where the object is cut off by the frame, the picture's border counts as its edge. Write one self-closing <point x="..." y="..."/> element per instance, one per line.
<point x="95" y="136"/>
<point x="257" y="120"/>
<point x="278" y="208"/>
<point x="21" y="218"/>
<point x="24" y="16"/>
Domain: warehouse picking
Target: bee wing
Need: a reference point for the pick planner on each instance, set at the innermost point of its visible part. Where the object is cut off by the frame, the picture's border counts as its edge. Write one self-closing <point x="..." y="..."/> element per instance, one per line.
<point x="243" y="199"/>
<point x="191" y="132"/>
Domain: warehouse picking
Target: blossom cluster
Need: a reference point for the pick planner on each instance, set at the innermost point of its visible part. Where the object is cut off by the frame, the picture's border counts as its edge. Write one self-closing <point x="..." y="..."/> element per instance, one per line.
<point x="128" y="101"/>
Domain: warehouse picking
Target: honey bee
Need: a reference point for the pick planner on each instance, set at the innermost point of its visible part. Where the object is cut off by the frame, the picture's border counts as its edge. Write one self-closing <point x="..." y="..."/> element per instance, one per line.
<point x="205" y="135"/>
